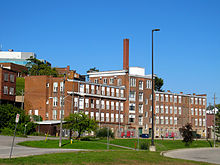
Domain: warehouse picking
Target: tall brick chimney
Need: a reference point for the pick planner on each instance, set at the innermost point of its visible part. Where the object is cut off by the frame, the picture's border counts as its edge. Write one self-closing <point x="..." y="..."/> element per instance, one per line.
<point x="126" y="55"/>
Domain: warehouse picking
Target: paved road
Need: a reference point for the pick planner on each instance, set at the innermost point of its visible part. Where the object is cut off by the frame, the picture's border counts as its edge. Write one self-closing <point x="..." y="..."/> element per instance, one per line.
<point x="210" y="155"/>
<point x="21" y="151"/>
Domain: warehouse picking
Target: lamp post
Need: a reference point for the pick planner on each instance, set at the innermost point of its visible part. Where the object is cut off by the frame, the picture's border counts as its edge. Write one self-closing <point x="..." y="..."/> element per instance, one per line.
<point x="152" y="138"/>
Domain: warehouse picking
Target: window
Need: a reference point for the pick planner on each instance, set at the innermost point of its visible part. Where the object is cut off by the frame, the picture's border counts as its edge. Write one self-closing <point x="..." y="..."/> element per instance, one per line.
<point x="192" y="111"/>
<point x="171" y="110"/>
<point x="175" y="120"/>
<point x="175" y="110"/>
<point x="112" y="105"/>
<point x="92" y="103"/>
<point x="119" y="82"/>
<point x="121" y="118"/>
<point x="203" y="101"/>
<point x="36" y="112"/>
<point x="61" y="86"/>
<point x="146" y="101"/>
<point x="161" y="120"/>
<point x="204" y="124"/>
<point x="92" y="115"/>
<point x="196" y="100"/>
<point x="54" y="114"/>
<point x="112" y="117"/>
<point x="5" y="76"/>
<point x="112" y="92"/>
<point x="96" y="81"/>
<point x="131" y="107"/>
<point x="122" y="106"/>
<point x="11" y="91"/>
<point x="157" y="109"/>
<point x="146" y="126"/>
<point x="171" y="98"/>
<point x="105" y="81"/>
<point x="180" y="111"/>
<point x="196" y="122"/>
<point x="117" y="92"/>
<point x="81" y="103"/>
<point x="103" y="90"/>
<point x="103" y="104"/>
<point x="161" y="109"/>
<point x="122" y="93"/>
<point x="97" y="116"/>
<point x="117" y="106"/>
<point x="166" y="120"/>
<point x="92" y="89"/>
<point x="107" y="117"/>
<point x="55" y="87"/>
<point x="62" y="114"/>
<point x="200" y="122"/>
<point x="61" y="101"/>
<point x="132" y="82"/>
<point x="171" y="120"/>
<point x="179" y="98"/>
<point x="97" y="104"/>
<point x="87" y="103"/>
<point x="140" y="96"/>
<point x="140" y="108"/>
<point x="111" y="81"/>
<point x="30" y="112"/>
<point x="140" y="85"/>
<point x="55" y="101"/>
<point x="108" y="91"/>
<point x="12" y="78"/>
<point x="47" y="85"/>
<point x="148" y="84"/>
<point x="102" y="117"/>
<point x="86" y="112"/>
<point x="157" y="97"/>
<point x="157" y="119"/>
<point x="166" y="109"/>
<point x="116" y="118"/>
<point x="150" y="120"/>
<point x="46" y="115"/>
<point x="97" y="90"/>
<point x="87" y="88"/>
<point x="166" y="98"/>
<point x="191" y="100"/>
<point x="200" y="112"/>
<point x="161" y="98"/>
<point x="196" y="111"/>
<point x="204" y="113"/>
<point x="140" y="119"/>
<point x="75" y="102"/>
<point x="150" y="96"/>
<point x="146" y="114"/>
<point x="107" y="105"/>
<point x="132" y="96"/>
<point x="175" y="99"/>
<point x="151" y="108"/>
<point x="200" y="101"/>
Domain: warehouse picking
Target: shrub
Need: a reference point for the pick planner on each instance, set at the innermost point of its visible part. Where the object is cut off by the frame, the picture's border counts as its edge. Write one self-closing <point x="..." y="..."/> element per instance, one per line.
<point x="7" y="131"/>
<point x="103" y="132"/>
<point x="144" y="145"/>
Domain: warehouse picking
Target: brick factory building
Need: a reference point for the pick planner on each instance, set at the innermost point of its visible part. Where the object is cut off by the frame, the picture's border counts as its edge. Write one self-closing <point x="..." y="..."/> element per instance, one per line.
<point x="119" y="99"/>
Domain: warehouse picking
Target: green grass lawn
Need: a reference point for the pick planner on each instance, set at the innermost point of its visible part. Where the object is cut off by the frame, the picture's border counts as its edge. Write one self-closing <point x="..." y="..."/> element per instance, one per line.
<point x="104" y="157"/>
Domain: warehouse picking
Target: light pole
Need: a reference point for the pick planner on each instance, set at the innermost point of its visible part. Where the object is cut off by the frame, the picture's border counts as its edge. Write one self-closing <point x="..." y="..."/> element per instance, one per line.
<point x="152" y="138"/>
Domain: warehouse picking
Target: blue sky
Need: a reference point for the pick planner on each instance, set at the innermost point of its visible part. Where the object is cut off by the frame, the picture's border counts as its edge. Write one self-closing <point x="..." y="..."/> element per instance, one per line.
<point x="86" y="33"/>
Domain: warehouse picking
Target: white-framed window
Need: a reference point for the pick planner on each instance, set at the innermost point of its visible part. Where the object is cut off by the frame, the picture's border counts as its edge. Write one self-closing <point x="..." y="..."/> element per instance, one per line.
<point x="140" y="96"/>
<point x="12" y="78"/>
<point x="36" y="112"/>
<point x="140" y="120"/>
<point x="131" y="107"/>
<point x="61" y="86"/>
<point x="47" y="115"/>
<point x="171" y="120"/>
<point x="150" y="96"/>
<point x="92" y="89"/>
<point x="97" y="90"/>
<point x="30" y="112"/>
<point x="196" y="122"/>
<point x="200" y="122"/>
<point x="108" y="91"/>
<point x="175" y="99"/>
<point x="107" y="117"/>
<point x="121" y="118"/>
<point x="166" y="109"/>
<point x="166" y="98"/>
<point x="146" y="126"/>
<point x="175" y="110"/>
<point x="55" y="87"/>
<point x="146" y="114"/>
<point x="112" y="105"/>
<point x="87" y="103"/>
<point x="122" y="92"/>
<point x="105" y="81"/>
<point x="132" y="82"/>
<point x="175" y="120"/>
<point x="81" y="103"/>
<point x="75" y="102"/>
<point x="196" y="111"/>
<point x="107" y="105"/>
<point x="102" y="117"/>
<point x="122" y="106"/>
<point x="61" y="114"/>
<point x="61" y="101"/>
<point x="180" y="99"/>
<point x="196" y="100"/>
<point x="171" y="110"/>
<point x="103" y="104"/>
<point x="96" y="81"/>
<point x="141" y="84"/>
<point x="180" y="110"/>
<point x="112" y="92"/>
<point x="150" y="120"/>
<point x="148" y="84"/>
<point x="117" y="92"/>
<point x="161" y="109"/>
<point x="166" y="120"/>
<point x="117" y="106"/>
<point x="97" y="104"/>
<point x="157" y="97"/>
<point x="200" y="112"/>
<point x="192" y="111"/>
<point x="203" y="101"/>
<point x="157" y="119"/>
<point x="86" y="113"/>
<point x="97" y="117"/>
<point x="200" y="101"/>
<point x="191" y="100"/>
<point x="103" y="90"/>
<point x="54" y="114"/>
<point x="116" y="117"/>
<point x="111" y="81"/>
<point x="204" y="112"/>
<point x="11" y="91"/>
<point x="92" y="115"/>
<point x="112" y="117"/>
<point x="204" y="122"/>
<point x="132" y="95"/>
<point x="171" y="98"/>
<point x="151" y="108"/>
<point x="87" y="88"/>
<point x="119" y="82"/>
<point x="55" y="101"/>
<point x="146" y="101"/>
<point x="157" y="109"/>
<point x="5" y="76"/>
<point x="161" y="97"/>
<point x="140" y="108"/>
<point x="161" y="120"/>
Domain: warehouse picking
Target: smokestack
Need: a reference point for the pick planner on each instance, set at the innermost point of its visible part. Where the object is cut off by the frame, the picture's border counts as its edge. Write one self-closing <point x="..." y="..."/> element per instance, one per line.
<point x="126" y="55"/>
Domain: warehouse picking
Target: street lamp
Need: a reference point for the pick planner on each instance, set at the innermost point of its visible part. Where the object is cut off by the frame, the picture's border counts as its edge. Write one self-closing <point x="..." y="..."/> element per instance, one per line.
<point x="152" y="138"/>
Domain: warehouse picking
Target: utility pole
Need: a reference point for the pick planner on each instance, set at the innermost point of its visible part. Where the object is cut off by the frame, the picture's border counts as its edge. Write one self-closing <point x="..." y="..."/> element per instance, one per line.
<point x="62" y="110"/>
<point x="214" y="119"/>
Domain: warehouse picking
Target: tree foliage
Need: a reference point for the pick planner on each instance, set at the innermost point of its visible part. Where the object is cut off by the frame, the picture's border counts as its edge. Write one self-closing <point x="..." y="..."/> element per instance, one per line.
<point x="81" y="123"/>
<point x="103" y="132"/>
<point x="94" y="69"/>
<point x="187" y="134"/>
<point x="217" y="124"/>
<point x="158" y="84"/>
<point x="37" y="67"/>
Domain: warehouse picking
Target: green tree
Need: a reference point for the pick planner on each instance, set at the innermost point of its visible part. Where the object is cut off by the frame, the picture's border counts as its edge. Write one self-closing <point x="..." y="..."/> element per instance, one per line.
<point x="94" y="69"/>
<point x="158" y="84"/>
<point x="37" y="67"/>
<point x="187" y="134"/>
<point x="103" y="132"/>
<point x="217" y="124"/>
<point x="81" y="123"/>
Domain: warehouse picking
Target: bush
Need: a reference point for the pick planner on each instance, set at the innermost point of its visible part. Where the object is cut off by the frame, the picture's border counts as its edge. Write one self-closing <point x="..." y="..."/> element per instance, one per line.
<point x="144" y="145"/>
<point x="103" y="132"/>
<point x="87" y="138"/>
<point x="7" y="131"/>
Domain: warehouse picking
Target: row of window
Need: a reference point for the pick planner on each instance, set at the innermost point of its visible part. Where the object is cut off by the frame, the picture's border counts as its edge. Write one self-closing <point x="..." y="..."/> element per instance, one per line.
<point x="195" y="112"/>
<point x="199" y="101"/>
<point x="10" y="91"/>
<point x="140" y="84"/>
<point x="7" y="76"/>
<point x="110" y="80"/>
